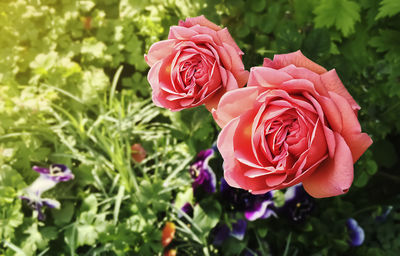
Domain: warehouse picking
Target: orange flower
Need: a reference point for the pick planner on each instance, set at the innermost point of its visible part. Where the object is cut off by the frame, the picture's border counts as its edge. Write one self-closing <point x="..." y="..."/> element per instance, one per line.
<point x="168" y="234"/>
<point x="87" y="22"/>
<point x="138" y="152"/>
<point x="171" y="252"/>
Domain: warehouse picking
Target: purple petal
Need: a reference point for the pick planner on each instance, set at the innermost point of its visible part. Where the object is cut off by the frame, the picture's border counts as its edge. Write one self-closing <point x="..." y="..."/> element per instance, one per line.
<point x="186" y="208"/>
<point x="41" y="170"/>
<point x="204" y="154"/>
<point x="60" y="173"/>
<point x="258" y="211"/>
<point x="41" y="215"/>
<point x="295" y="193"/>
<point x="356" y="232"/>
<point x="221" y="233"/>
<point x="268" y="213"/>
<point x="225" y="188"/>
<point x="298" y="204"/>
<point x="239" y="229"/>
<point x="25" y="198"/>
<point x="202" y="173"/>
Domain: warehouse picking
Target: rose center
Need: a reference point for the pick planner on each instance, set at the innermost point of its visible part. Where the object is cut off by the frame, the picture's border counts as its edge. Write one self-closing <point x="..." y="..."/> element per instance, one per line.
<point x="191" y="70"/>
<point x="277" y="133"/>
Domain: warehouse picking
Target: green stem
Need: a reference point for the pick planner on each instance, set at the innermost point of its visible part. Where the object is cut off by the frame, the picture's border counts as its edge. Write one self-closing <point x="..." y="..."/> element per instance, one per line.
<point x="261" y="246"/>
<point x="206" y="250"/>
<point x="366" y="209"/>
<point x="389" y="176"/>
<point x="285" y="253"/>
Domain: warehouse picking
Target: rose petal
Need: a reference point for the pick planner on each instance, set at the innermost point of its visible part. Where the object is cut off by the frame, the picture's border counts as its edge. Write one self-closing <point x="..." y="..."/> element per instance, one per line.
<point x="273" y="180"/>
<point x="159" y="51"/>
<point x="253" y="173"/>
<point x="357" y="141"/>
<point x="200" y="20"/>
<point x="234" y="103"/>
<point x="358" y="144"/>
<point x="237" y="63"/>
<point x="261" y="76"/>
<point x="226" y="37"/>
<point x="181" y="33"/>
<point x="303" y="73"/>
<point x="242" y="77"/>
<point x="335" y="175"/>
<point x="225" y="147"/>
<point x="332" y="82"/>
<point x="295" y="58"/>
<point x="242" y="139"/>
<point x="318" y="145"/>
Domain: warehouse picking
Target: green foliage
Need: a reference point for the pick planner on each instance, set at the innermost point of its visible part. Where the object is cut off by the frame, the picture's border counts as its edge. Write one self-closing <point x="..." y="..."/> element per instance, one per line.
<point x="388" y="8"/>
<point x="73" y="90"/>
<point x="206" y="215"/>
<point x="342" y="14"/>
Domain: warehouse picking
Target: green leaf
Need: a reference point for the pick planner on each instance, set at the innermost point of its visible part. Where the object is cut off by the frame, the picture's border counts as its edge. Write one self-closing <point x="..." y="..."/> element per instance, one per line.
<point x="89" y="204"/>
<point x="317" y="43"/>
<point x="387" y="41"/>
<point x="258" y="5"/>
<point x="49" y="233"/>
<point x="343" y="14"/>
<point x="268" y="21"/>
<point x="250" y="19"/>
<point x="279" y="198"/>
<point x="388" y="8"/>
<point x="232" y="246"/>
<point x="63" y="215"/>
<point x="10" y="177"/>
<point x="262" y="231"/>
<point x="206" y="215"/>
<point x="303" y="11"/>
<point x="184" y="197"/>
<point x="86" y="235"/>
<point x="361" y="180"/>
<point x="34" y="240"/>
<point x="385" y="153"/>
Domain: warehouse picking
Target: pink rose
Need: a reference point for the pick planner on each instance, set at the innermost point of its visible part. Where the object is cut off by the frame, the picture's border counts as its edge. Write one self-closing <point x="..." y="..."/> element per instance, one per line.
<point x="295" y="122"/>
<point x="196" y="65"/>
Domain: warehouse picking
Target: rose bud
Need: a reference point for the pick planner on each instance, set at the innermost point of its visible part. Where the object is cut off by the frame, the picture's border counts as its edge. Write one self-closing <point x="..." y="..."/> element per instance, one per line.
<point x="138" y="153"/>
<point x="294" y="122"/>
<point x="196" y="65"/>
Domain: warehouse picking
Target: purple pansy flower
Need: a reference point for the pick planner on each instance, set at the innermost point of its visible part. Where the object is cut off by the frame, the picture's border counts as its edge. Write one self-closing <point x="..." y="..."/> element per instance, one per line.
<point x="49" y="177"/>
<point x="222" y="231"/>
<point x="239" y="229"/>
<point x="298" y="204"/>
<point x="186" y="208"/>
<point x="253" y="206"/>
<point x="201" y="172"/>
<point x="356" y="232"/>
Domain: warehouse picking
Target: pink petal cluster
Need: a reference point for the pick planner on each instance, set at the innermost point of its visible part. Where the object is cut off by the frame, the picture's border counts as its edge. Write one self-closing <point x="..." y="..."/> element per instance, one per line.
<point x="295" y="122"/>
<point x="196" y="65"/>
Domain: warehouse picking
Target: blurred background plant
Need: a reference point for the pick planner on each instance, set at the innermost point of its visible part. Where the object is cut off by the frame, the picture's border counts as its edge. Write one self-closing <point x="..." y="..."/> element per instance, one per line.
<point x="73" y="91"/>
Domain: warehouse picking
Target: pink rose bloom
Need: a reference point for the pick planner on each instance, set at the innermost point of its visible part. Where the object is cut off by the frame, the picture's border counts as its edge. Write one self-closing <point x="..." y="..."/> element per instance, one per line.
<point x="295" y="122"/>
<point x="196" y="65"/>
